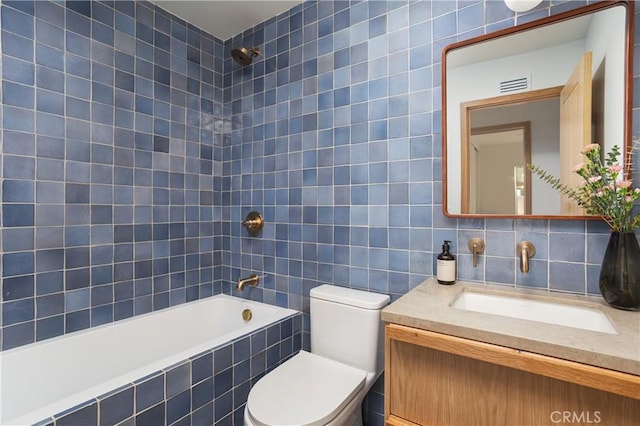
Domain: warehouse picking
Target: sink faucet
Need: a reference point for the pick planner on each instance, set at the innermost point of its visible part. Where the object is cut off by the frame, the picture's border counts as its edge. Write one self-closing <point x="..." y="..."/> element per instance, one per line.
<point x="251" y="280"/>
<point x="476" y="246"/>
<point x="526" y="249"/>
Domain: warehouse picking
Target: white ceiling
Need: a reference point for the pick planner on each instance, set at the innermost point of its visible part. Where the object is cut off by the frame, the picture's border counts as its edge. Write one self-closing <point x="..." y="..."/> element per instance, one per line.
<point x="225" y="19"/>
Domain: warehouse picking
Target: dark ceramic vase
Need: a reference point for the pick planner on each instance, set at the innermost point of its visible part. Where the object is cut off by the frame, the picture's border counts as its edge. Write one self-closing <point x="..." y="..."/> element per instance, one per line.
<point x="620" y="273"/>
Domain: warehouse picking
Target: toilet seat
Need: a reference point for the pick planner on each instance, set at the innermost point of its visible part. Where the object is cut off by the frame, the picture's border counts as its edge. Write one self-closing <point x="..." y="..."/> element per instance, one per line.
<point x="305" y="390"/>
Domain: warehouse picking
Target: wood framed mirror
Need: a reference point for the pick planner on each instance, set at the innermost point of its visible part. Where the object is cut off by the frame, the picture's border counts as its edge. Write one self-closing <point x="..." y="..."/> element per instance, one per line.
<point x="536" y="94"/>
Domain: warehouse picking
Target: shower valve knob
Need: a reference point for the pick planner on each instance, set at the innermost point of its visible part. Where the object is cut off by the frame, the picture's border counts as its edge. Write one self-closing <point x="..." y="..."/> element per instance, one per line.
<point x="254" y="223"/>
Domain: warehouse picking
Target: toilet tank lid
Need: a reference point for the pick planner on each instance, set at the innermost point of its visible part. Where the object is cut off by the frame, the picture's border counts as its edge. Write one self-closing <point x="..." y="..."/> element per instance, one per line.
<point x="348" y="296"/>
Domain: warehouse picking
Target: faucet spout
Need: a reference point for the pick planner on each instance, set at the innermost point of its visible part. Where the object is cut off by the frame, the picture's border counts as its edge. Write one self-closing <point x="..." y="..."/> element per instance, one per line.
<point x="251" y="280"/>
<point x="526" y="249"/>
<point x="476" y="246"/>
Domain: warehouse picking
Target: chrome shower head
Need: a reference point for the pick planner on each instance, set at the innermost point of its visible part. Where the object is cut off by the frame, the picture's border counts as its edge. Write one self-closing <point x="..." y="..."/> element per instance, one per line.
<point x="244" y="56"/>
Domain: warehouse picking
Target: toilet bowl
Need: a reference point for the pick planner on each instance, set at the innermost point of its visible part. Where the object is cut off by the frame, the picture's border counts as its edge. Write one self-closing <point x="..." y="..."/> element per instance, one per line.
<point x="327" y="385"/>
<point x="314" y="390"/>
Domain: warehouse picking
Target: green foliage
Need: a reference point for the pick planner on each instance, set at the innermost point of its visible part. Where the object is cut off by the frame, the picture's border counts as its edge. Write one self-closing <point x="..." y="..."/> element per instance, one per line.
<point x="605" y="192"/>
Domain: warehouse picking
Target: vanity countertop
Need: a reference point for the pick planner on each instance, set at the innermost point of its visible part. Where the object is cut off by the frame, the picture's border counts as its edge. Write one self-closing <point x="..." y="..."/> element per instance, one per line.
<point x="428" y="307"/>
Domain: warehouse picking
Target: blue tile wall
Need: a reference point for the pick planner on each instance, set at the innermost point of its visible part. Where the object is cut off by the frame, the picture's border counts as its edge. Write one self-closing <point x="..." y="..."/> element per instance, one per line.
<point x="111" y="164"/>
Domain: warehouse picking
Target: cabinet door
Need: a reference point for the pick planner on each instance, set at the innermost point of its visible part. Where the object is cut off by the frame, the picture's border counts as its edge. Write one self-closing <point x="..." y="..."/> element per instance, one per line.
<point x="428" y="386"/>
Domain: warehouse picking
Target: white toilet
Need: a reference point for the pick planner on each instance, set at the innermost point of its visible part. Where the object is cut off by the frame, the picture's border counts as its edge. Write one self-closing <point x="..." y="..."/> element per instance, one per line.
<point x="327" y="385"/>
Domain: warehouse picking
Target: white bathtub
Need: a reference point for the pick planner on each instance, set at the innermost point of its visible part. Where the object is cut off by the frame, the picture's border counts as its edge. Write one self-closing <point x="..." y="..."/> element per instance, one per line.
<point x="45" y="378"/>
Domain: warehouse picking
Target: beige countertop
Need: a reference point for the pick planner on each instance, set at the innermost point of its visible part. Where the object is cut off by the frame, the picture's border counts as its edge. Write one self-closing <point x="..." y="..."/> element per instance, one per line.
<point x="428" y="307"/>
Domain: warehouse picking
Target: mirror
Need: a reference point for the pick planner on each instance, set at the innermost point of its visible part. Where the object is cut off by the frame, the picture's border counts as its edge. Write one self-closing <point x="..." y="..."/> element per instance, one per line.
<point x="533" y="94"/>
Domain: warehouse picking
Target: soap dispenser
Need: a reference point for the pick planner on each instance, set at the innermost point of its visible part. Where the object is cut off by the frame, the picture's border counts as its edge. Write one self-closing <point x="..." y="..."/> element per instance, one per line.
<point x="446" y="266"/>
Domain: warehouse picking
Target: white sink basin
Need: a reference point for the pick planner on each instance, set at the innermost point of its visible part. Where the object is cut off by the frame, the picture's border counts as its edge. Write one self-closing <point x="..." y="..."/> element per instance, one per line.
<point x="535" y="310"/>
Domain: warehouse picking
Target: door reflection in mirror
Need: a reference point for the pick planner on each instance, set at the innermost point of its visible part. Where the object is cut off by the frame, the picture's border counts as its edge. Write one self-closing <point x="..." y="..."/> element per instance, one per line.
<point x="497" y="159"/>
<point x="537" y="113"/>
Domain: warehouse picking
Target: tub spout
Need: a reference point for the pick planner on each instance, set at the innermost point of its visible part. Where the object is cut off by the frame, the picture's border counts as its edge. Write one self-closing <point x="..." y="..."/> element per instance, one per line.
<point x="526" y="250"/>
<point x="251" y="280"/>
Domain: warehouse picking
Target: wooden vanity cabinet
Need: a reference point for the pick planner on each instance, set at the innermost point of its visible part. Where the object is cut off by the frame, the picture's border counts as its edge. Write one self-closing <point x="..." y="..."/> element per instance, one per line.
<point x="437" y="379"/>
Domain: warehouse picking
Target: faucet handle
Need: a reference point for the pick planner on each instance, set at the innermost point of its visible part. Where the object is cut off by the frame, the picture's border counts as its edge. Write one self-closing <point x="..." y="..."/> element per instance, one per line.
<point x="254" y="223"/>
<point x="526" y="249"/>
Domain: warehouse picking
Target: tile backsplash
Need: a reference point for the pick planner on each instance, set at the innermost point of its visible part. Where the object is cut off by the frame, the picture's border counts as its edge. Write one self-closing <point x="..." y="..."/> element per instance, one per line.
<point x="133" y="147"/>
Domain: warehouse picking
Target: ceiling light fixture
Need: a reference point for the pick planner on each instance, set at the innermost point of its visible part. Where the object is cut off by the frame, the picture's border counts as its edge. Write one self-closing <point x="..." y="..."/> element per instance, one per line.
<point x="522" y="5"/>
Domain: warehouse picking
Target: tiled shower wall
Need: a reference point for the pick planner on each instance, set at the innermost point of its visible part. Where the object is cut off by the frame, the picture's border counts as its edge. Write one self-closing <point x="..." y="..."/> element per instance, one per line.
<point x="111" y="163"/>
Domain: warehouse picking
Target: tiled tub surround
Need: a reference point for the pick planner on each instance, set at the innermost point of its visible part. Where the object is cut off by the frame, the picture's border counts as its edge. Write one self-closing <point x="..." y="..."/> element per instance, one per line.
<point x="195" y="362"/>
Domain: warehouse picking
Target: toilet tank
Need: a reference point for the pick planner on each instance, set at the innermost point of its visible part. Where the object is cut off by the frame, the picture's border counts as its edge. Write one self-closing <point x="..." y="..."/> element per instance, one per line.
<point x="346" y="326"/>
